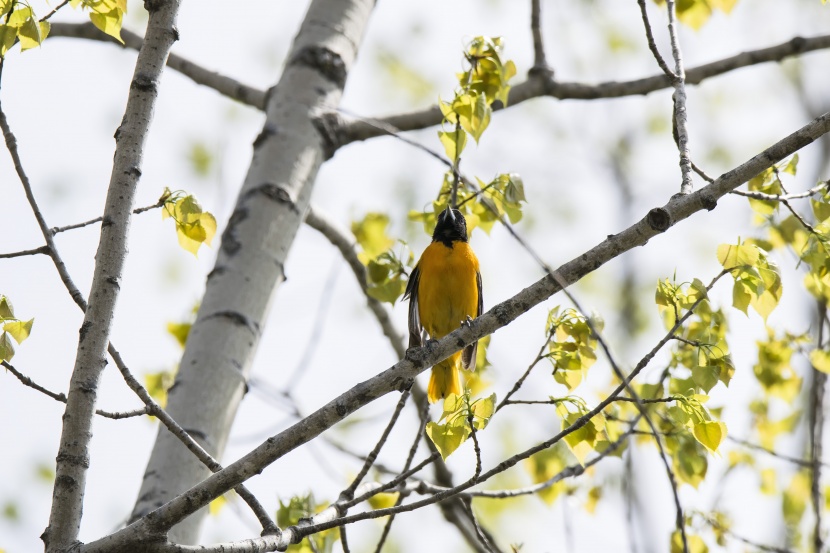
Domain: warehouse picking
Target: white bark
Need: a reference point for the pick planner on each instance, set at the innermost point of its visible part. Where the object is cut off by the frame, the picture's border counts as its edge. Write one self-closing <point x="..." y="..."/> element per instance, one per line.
<point x="73" y="452"/>
<point x="271" y="206"/>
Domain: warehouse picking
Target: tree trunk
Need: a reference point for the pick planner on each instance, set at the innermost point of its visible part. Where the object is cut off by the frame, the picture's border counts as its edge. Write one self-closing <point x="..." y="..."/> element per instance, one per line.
<point x="271" y="206"/>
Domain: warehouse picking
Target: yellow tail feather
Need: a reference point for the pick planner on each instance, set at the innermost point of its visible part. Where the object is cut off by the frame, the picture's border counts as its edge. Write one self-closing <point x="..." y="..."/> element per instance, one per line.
<point x="445" y="379"/>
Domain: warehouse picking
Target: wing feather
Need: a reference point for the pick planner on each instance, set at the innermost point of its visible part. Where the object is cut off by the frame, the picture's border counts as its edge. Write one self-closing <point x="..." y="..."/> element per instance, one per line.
<point x="415" y="327"/>
<point x="468" y="356"/>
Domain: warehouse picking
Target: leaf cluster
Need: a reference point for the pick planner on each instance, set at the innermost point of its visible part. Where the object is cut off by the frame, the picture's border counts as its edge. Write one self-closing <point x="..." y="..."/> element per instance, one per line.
<point x="12" y="329"/>
<point x="387" y="272"/>
<point x="194" y="226"/>
<point x="458" y="414"/>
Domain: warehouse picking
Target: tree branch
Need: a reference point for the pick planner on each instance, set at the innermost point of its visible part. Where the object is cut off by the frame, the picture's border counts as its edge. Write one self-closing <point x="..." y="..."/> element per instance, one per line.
<point x="55" y="230"/>
<point x="36" y="251"/>
<point x="540" y="63"/>
<point x="816" y="433"/>
<point x="679" y="120"/>
<point x="536" y="86"/>
<point x="26" y="381"/>
<point x="73" y="453"/>
<point x="222" y="84"/>
<point x="656" y="222"/>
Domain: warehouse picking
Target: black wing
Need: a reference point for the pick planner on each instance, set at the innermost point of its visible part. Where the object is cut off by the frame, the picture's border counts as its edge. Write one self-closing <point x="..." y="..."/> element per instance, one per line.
<point x="415" y="328"/>
<point x="468" y="356"/>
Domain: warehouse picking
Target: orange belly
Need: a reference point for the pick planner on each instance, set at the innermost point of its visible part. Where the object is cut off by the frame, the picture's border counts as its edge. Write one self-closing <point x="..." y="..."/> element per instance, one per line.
<point x="447" y="291"/>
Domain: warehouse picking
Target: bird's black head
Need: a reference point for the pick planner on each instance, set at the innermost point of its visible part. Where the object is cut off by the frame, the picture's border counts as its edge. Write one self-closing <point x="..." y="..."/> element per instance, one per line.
<point x="451" y="227"/>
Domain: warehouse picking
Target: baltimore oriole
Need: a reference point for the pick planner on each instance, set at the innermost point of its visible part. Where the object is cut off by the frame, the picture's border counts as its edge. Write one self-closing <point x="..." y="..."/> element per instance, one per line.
<point x="444" y="291"/>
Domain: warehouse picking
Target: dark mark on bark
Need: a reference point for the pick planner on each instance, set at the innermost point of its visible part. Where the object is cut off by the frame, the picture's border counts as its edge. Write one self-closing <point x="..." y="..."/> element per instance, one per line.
<point x="658" y="219"/>
<point x="230" y="243"/>
<point x="328" y="126"/>
<point x="326" y="62"/>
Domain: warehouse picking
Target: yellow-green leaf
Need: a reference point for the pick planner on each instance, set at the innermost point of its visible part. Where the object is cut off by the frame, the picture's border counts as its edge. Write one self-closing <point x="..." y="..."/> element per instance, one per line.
<point x="6" y="347"/>
<point x="8" y="34"/>
<point x="6" y="308"/>
<point x="179" y="331"/>
<point x="695" y="543"/>
<point x="732" y="255"/>
<point x="820" y="359"/>
<point x="446" y="437"/>
<point x="19" y="330"/>
<point x="454" y="142"/>
<point x="710" y="434"/>
<point x="109" y="22"/>
<point x="216" y="505"/>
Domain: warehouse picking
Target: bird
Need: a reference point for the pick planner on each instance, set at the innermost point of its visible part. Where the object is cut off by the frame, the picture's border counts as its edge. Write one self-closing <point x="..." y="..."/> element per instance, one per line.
<point x="444" y="292"/>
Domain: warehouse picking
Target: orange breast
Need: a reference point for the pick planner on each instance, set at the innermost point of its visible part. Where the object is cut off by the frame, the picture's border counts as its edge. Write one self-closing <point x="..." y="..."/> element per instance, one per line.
<point x="447" y="291"/>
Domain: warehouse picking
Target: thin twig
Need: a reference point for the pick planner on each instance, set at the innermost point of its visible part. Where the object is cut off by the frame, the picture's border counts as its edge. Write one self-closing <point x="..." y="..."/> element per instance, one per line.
<point x="136" y="211"/>
<point x="520" y="381"/>
<point x="781" y="197"/>
<point x="652" y="45"/>
<point x="348" y="493"/>
<point x="728" y="532"/>
<point x="468" y="505"/>
<point x="26" y="381"/>
<point x="794" y="460"/>
<point x="409" y="458"/>
<point x="54" y="11"/>
<point x="679" y="119"/>
<point x="540" y="63"/>
<point x="37" y="251"/>
<point x="816" y="433"/>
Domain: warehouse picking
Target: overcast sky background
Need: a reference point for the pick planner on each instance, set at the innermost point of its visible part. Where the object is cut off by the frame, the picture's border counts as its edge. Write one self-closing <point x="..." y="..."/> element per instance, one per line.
<point x="65" y="100"/>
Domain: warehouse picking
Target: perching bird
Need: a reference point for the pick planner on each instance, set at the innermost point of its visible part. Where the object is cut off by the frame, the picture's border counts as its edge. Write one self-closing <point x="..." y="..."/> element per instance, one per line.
<point x="444" y="291"/>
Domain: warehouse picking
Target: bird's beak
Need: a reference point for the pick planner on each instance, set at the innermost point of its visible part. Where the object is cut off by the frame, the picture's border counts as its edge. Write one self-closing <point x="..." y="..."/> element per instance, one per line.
<point x="451" y="213"/>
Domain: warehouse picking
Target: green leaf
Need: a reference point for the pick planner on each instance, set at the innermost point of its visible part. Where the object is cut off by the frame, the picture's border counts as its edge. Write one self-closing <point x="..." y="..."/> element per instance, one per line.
<point x="710" y="434"/>
<point x="371" y="234"/>
<point x="32" y="33"/>
<point x="8" y="35"/>
<point x="19" y="330"/>
<point x="6" y="308"/>
<point x="731" y="256"/>
<point x="705" y="376"/>
<point x="446" y="437"/>
<point x="483" y="410"/>
<point x="109" y="22"/>
<point x="6" y="347"/>
<point x="179" y="331"/>
<point x="454" y="142"/>
<point x="694" y="542"/>
<point x="820" y="360"/>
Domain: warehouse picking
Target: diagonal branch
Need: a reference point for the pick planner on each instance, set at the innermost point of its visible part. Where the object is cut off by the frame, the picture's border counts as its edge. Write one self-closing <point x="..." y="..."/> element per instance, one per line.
<point x="26" y="381"/>
<point x="657" y="221"/>
<point x="220" y="83"/>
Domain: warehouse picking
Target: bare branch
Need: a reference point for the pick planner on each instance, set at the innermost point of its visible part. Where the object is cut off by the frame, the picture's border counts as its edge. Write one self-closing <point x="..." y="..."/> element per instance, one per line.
<point x="136" y="211"/>
<point x="652" y="45"/>
<point x="681" y="133"/>
<point x="54" y="11"/>
<point x="816" y="433"/>
<point x="26" y="381"/>
<point x="540" y="64"/>
<point x="657" y="221"/>
<point x="220" y="83"/>
<point x="781" y="197"/>
<point x="535" y="87"/>
<point x="348" y="493"/>
<point x="718" y="526"/>
<point x="36" y="251"/>
<point x="794" y="460"/>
